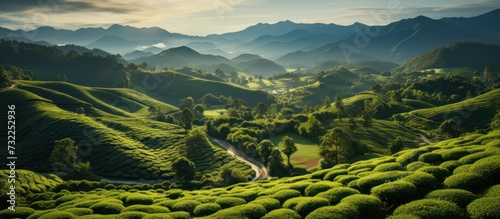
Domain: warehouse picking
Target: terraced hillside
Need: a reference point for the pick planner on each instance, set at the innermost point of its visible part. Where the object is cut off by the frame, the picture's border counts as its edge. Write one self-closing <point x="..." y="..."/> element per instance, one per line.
<point x="456" y="178"/>
<point x="113" y="133"/>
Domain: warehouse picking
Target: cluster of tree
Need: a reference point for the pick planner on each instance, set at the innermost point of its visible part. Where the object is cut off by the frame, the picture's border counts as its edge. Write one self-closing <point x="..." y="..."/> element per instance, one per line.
<point x="64" y="159"/>
<point x="8" y="73"/>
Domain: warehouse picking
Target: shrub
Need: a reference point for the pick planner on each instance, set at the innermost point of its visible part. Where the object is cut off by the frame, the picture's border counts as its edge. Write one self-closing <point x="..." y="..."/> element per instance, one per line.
<point x="241" y="212"/>
<point x="131" y="215"/>
<point x="42" y="196"/>
<point x="320" y="174"/>
<point x="107" y="208"/>
<point x="306" y="206"/>
<point x="43" y="205"/>
<point x="388" y="167"/>
<point x="291" y="203"/>
<point x="450" y="165"/>
<point x="340" y="211"/>
<point x="492" y="191"/>
<point x="174" y="194"/>
<point x="140" y="199"/>
<point x="334" y="195"/>
<point x="58" y="215"/>
<point x="206" y="209"/>
<point x="109" y="187"/>
<point x="489" y="168"/>
<point x="66" y="198"/>
<point x="462" y="169"/>
<point x="430" y="209"/>
<point x="471" y="158"/>
<point x="409" y="156"/>
<point x="359" y="166"/>
<point x="300" y="186"/>
<point x="150" y="209"/>
<point x="484" y="208"/>
<point x="468" y="181"/>
<point x="282" y="213"/>
<point x="354" y="184"/>
<point x="268" y="203"/>
<point x="416" y="165"/>
<point x="286" y="194"/>
<point x="318" y="187"/>
<point x="186" y="205"/>
<point x="157" y="216"/>
<point x="247" y="195"/>
<point x="458" y="196"/>
<point x="226" y="202"/>
<point x="432" y="158"/>
<point x="179" y="215"/>
<point x="395" y="193"/>
<point x="334" y="173"/>
<point x="346" y="179"/>
<point x="423" y="181"/>
<point x="454" y="154"/>
<point x="21" y="212"/>
<point x="367" y="206"/>
<point x="368" y="182"/>
<point x="79" y="211"/>
<point x="439" y="172"/>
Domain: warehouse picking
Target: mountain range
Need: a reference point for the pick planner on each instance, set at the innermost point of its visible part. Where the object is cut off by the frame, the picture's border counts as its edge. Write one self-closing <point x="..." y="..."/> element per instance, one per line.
<point x="285" y="42"/>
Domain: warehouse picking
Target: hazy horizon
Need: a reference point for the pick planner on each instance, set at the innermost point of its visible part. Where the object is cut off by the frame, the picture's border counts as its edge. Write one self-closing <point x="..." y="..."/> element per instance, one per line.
<point x="221" y="16"/>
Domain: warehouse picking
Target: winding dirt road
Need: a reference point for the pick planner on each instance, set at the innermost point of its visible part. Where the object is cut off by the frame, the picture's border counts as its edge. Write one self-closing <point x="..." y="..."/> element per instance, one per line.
<point x="259" y="168"/>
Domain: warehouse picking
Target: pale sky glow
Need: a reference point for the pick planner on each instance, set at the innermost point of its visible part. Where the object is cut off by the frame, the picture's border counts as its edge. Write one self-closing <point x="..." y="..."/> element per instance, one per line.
<point x="202" y="17"/>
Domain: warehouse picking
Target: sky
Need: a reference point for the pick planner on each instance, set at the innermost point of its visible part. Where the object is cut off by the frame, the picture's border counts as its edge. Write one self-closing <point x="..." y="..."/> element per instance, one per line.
<point x="202" y="17"/>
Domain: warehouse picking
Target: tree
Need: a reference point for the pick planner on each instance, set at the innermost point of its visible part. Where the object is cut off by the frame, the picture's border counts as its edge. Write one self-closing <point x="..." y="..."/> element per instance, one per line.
<point x="449" y="128"/>
<point x="289" y="147"/>
<point x="312" y="128"/>
<point x="261" y="110"/>
<point x="64" y="153"/>
<point x="153" y="111"/>
<point x="187" y="102"/>
<point x="196" y="142"/>
<point x="339" y="104"/>
<point x="264" y="149"/>
<point x="376" y="88"/>
<point x="275" y="165"/>
<point x="232" y="176"/>
<point x="396" y="145"/>
<point x="199" y="108"/>
<point x="184" y="169"/>
<point x="186" y="119"/>
<point x="327" y="102"/>
<point x="335" y="146"/>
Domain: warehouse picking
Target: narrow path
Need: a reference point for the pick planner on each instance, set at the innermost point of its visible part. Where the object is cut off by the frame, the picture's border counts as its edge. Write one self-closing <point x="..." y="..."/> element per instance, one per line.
<point x="131" y="181"/>
<point x="259" y="168"/>
<point x="425" y="139"/>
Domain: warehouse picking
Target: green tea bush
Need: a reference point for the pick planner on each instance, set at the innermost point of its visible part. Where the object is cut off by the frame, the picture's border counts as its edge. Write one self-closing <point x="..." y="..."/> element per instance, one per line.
<point x="80" y="211"/>
<point x="58" y="215"/>
<point x="107" y="208"/>
<point x="492" y="191"/>
<point x="439" y="172"/>
<point x="395" y="193"/>
<point x="354" y="184"/>
<point x="489" y="168"/>
<point x="186" y="205"/>
<point x="340" y="211"/>
<point x="66" y="198"/>
<point x="131" y="215"/>
<point x="330" y="176"/>
<point x="286" y="194"/>
<point x="226" y="202"/>
<point x="334" y="195"/>
<point x="462" y="169"/>
<point x="95" y="216"/>
<point x="320" y="174"/>
<point x="367" y="206"/>
<point x="43" y="205"/>
<point x="140" y="199"/>
<point x="282" y="213"/>
<point x="179" y="215"/>
<point x="355" y="166"/>
<point x="360" y="171"/>
<point x="413" y="166"/>
<point x="468" y="181"/>
<point x="301" y="186"/>
<point x="206" y="209"/>
<point x="20" y="212"/>
<point x="247" y="195"/>
<point x="268" y="203"/>
<point x="318" y="187"/>
<point x="241" y="212"/>
<point x="42" y="196"/>
<point x="454" y="154"/>
<point x="368" y="182"/>
<point x="109" y="187"/>
<point x="450" y="165"/>
<point x="150" y="209"/>
<point x="460" y="197"/>
<point x="409" y="156"/>
<point x="86" y="204"/>
<point x="388" y="167"/>
<point x="306" y="206"/>
<point x="431" y="158"/>
<point x="174" y="194"/>
<point x="157" y="216"/>
<point x="291" y="203"/>
<point x="430" y="209"/>
<point x="423" y="181"/>
<point x="346" y="179"/>
<point x="471" y="158"/>
<point x="483" y="208"/>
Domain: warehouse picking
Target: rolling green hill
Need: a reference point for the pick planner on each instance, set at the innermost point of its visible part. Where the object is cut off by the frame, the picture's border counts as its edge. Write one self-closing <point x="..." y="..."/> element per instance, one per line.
<point x="113" y="133"/>
<point x="461" y="54"/>
<point x="471" y="114"/>
<point x="456" y="178"/>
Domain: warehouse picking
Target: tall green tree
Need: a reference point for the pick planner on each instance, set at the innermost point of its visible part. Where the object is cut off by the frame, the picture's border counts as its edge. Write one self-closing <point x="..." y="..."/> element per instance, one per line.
<point x="64" y="153"/>
<point x="312" y="128"/>
<point x="187" y="102"/>
<point x="449" y="128"/>
<point x="184" y="169"/>
<point x="289" y="147"/>
<point x="275" y="165"/>
<point x="396" y="145"/>
<point x="327" y="102"/>
<point x="196" y="142"/>
<point x="264" y="149"/>
<point x="335" y="146"/>
<point x="186" y="119"/>
<point x="261" y="110"/>
<point x="339" y="104"/>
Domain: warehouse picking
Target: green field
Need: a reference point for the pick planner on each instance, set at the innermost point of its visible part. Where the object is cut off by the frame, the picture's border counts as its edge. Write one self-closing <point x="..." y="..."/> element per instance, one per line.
<point x="307" y="154"/>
